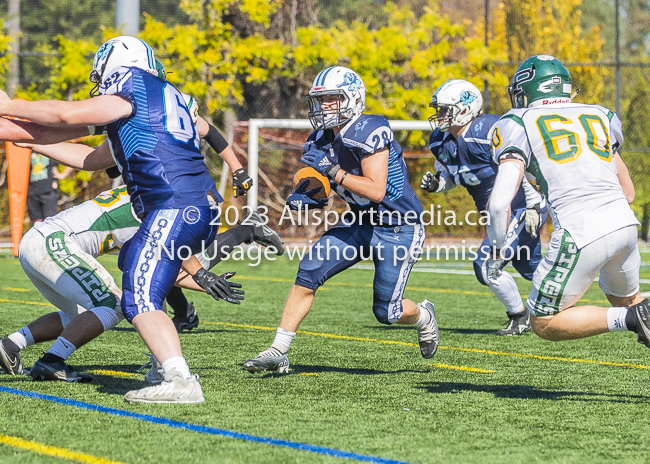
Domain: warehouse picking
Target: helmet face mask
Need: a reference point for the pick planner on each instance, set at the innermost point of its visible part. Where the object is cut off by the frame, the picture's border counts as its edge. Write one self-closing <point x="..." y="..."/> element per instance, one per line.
<point x="322" y="111"/>
<point x="125" y="51"/>
<point x="441" y="119"/>
<point x="457" y="102"/>
<point x="331" y="84"/>
<point x="540" y="80"/>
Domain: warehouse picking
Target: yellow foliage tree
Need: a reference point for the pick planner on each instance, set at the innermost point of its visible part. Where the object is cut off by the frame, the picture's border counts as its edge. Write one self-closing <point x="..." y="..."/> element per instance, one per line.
<point x="523" y="28"/>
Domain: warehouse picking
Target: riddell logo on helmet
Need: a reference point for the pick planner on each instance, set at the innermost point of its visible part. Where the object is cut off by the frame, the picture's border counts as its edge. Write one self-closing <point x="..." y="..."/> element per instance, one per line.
<point x="319" y="88"/>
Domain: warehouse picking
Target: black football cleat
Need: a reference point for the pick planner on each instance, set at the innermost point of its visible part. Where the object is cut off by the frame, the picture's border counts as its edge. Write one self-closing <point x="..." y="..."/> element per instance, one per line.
<point x="58" y="371"/>
<point x="642" y="314"/>
<point x="517" y="325"/>
<point x="264" y="235"/>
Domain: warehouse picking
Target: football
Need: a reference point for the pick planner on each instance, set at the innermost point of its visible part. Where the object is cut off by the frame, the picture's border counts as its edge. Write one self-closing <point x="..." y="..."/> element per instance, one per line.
<point x="315" y="180"/>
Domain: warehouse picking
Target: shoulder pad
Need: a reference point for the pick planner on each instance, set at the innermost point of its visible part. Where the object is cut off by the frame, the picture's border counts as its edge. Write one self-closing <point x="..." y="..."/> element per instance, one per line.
<point x="363" y="126"/>
<point x="369" y="132"/>
<point x="114" y="81"/>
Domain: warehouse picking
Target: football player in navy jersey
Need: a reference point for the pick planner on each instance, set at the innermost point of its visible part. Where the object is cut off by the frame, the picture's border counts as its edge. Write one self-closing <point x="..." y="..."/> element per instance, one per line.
<point x="359" y="154"/>
<point x="152" y="140"/>
<point x="461" y="145"/>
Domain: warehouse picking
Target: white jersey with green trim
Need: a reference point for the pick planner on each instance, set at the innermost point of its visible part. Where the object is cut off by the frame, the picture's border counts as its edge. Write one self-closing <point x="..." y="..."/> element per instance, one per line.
<point x="568" y="150"/>
<point x="98" y="226"/>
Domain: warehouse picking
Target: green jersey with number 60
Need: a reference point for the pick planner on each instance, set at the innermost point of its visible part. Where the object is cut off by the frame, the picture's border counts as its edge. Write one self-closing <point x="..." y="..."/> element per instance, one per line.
<point x="568" y="151"/>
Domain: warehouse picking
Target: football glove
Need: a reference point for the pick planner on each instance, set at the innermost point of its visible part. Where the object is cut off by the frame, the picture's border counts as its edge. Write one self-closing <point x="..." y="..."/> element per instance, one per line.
<point x="241" y="182"/>
<point x="433" y="183"/>
<point x="494" y="266"/>
<point x="218" y="287"/>
<point x="300" y="199"/>
<point x="321" y="161"/>
<point x="533" y="219"/>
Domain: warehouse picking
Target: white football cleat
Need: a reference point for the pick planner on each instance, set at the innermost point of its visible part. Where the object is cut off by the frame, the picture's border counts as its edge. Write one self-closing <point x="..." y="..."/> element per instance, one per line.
<point x="428" y="335"/>
<point x="155" y="375"/>
<point x="270" y="360"/>
<point x="174" y="389"/>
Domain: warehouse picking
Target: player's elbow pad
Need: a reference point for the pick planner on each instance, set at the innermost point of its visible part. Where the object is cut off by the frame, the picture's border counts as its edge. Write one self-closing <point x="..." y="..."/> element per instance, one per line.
<point x="215" y="139"/>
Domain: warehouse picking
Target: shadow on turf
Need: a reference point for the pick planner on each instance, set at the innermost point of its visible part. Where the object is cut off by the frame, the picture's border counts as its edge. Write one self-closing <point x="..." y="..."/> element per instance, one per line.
<point x="105" y="383"/>
<point x="193" y="331"/>
<point x="527" y="392"/>
<point x="307" y="369"/>
<point x="113" y="384"/>
<point x="446" y="329"/>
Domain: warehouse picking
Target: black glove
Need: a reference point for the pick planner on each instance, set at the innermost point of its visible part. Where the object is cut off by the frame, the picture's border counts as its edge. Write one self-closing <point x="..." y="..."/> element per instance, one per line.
<point x="218" y="287"/>
<point x="432" y="182"/>
<point x="241" y="182"/>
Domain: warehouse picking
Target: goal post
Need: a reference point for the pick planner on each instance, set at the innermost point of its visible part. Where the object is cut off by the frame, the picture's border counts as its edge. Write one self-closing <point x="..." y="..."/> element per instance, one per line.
<point x="254" y="126"/>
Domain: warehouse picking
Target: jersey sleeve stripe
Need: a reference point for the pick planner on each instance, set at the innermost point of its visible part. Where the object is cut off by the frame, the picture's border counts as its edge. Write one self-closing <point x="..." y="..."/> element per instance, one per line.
<point x="513" y="150"/>
<point x="610" y="115"/>
<point x="515" y="118"/>
<point x="365" y="146"/>
<point x="479" y="141"/>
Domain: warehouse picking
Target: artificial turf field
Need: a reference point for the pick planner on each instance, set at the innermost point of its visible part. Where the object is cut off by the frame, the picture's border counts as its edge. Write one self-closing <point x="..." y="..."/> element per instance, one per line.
<point x="355" y="388"/>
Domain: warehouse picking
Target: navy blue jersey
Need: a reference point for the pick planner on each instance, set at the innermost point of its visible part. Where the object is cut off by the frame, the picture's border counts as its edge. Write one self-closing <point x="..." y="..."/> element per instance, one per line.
<point x="362" y="137"/>
<point x="469" y="160"/>
<point x="156" y="148"/>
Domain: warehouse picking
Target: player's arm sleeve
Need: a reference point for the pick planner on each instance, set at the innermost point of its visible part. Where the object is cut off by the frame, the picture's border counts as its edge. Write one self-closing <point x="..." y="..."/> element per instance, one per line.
<point x="503" y="192"/>
<point x="509" y="140"/>
<point x="215" y="139"/>
<point x="533" y="197"/>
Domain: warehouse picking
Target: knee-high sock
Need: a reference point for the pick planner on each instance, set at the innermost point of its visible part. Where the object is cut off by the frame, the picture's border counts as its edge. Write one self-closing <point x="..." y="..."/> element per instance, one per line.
<point x="508" y="293"/>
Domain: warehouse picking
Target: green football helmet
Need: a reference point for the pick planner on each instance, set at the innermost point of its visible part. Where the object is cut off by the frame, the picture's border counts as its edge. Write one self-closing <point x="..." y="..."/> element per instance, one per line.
<point x="540" y="77"/>
<point x="160" y="69"/>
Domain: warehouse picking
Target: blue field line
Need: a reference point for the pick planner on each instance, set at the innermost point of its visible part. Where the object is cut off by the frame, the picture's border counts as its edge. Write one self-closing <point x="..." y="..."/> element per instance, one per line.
<point x="201" y="428"/>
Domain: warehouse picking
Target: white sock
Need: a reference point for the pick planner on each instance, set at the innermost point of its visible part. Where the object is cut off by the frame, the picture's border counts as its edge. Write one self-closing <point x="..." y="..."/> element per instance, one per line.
<point x="425" y="317"/>
<point x="178" y="363"/>
<point x="616" y="318"/>
<point x="508" y="293"/>
<point x="62" y="348"/>
<point x="23" y="338"/>
<point x="282" y="340"/>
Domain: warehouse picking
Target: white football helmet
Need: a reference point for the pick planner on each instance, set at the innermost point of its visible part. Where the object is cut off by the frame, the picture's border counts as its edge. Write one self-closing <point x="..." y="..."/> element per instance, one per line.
<point x="124" y="51"/>
<point x="456" y="102"/>
<point x="336" y="81"/>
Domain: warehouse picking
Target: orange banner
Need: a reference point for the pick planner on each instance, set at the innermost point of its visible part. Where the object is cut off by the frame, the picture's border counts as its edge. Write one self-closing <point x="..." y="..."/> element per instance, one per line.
<point x="18" y="164"/>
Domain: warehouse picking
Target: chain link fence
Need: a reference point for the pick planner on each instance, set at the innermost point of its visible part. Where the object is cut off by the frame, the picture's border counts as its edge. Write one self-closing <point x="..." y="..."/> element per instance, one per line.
<point x="617" y="80"/>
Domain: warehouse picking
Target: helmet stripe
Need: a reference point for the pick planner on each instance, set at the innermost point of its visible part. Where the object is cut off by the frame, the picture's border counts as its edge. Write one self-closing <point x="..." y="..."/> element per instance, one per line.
<point x="323" y="75"/>
<point x="152" y="61"/>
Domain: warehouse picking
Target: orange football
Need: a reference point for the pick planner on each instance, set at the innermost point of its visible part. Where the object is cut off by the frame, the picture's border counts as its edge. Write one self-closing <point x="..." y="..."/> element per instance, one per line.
<point x="315" y="180"/>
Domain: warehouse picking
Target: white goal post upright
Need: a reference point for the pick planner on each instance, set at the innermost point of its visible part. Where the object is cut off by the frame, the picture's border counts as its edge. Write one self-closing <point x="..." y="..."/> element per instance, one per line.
<point x="254" y="126"/>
